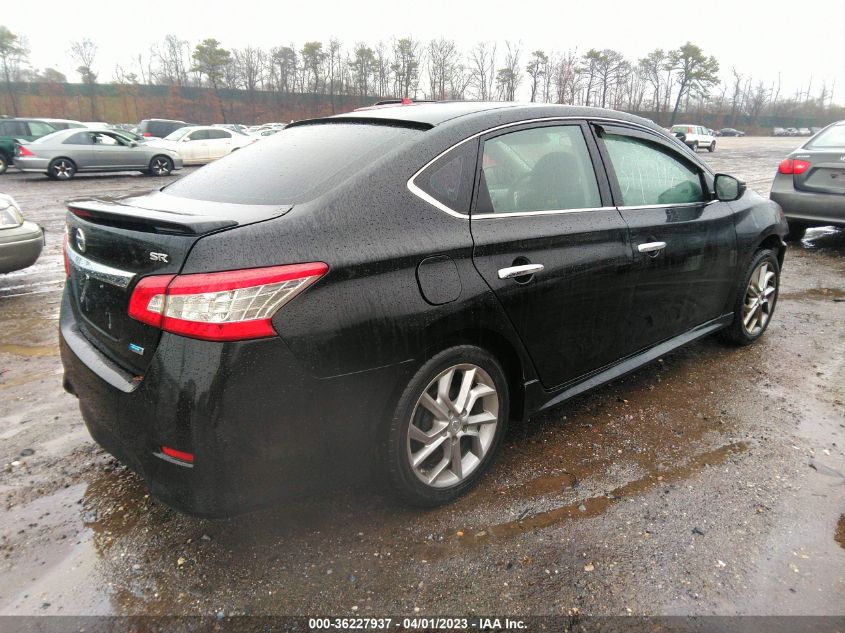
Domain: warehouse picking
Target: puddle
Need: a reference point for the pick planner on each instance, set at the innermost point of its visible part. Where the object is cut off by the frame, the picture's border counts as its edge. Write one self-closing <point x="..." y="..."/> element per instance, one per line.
<point x="816" y="294"/>
<point x="30" y="351"/>
<point x="597" y="505"/>
<point x="839" y="535"/>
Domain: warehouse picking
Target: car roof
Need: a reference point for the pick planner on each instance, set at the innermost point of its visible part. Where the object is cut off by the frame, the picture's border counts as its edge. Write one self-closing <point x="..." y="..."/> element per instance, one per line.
<point x="432" y="114"/>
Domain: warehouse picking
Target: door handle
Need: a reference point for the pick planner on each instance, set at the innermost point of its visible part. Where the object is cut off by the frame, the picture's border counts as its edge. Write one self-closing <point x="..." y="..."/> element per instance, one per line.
<point x="520" y="271"/>
<point x="652" y="248"/>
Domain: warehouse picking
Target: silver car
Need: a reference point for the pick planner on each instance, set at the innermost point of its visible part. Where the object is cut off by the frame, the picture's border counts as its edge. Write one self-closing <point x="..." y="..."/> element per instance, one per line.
<point x="62" y="154"/>
<point x="20" y="241"/>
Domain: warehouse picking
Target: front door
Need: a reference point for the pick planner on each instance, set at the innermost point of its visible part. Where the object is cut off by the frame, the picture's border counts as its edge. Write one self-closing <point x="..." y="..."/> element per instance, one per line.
<point x="551" y="246"/>
<point x="683" y="239"/>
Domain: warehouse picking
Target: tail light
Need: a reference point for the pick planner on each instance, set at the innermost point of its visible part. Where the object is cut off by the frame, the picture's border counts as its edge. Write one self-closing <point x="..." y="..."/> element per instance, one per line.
<point x="147" y="134"/>
<point x="23" y="151"/>
<point x="226" y="306"/>
<point x="793" y="166"/>
<point x="181" y="456"/>
<point x="64" y="253"/>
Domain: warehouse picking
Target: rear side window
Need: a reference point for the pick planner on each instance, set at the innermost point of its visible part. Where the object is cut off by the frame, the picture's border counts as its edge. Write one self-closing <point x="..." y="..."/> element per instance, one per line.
<point x="80" y="138"/>
<point x="833" y="137"/>
<point x="199" y="135"/>
<point x="293" y="166"/>
<point x="37" y="128"/>
<point x="215" y="134"/>
<point x="13" y="128"/>
<point x="648" y="174"/>
<point x="449" y="179"/>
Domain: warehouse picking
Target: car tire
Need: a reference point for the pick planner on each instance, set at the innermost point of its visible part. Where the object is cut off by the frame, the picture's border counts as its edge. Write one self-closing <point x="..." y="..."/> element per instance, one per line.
<point x="712" y="147"/>
<point x="756" y="299"/>
<point x="694" y="146"/>
<point x="796" y="231"/>
<point x="160" y="166"/>
<point x="447" y="426"/>
<point x="61" y="169"/>
<point x="4" y="164"/>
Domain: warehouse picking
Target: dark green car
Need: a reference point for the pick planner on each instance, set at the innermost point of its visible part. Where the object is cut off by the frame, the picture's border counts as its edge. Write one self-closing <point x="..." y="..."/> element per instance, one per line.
<point x="24" y="129"/>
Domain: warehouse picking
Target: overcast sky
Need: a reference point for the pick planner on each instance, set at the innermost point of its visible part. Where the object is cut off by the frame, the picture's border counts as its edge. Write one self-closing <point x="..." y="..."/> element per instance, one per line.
<point x="758" y="38"/>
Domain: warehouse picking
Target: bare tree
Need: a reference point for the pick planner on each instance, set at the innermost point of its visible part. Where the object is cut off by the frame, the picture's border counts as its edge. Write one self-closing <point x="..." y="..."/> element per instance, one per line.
<point x="509" y="77"/>
<point x="442" y="59"/>
<point x="482" y="69"/>
<point x="406" y="67"/>
<point x="537" y="69"/>
<point x="84" y="52"/>
<point x="13" y="53"/>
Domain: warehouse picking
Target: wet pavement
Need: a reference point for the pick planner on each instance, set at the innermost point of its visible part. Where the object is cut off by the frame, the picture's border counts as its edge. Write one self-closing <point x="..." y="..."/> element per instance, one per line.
<point x="710" y="482"/>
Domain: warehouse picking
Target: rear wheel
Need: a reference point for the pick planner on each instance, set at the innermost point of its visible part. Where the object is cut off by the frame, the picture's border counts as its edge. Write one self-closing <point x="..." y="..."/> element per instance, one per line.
<point x="447" y="426"/>
<point x="160" y="166"/>
<point x="61" y="169"/>
<point x="4" y="164"/>
<point x="756" y="299"/>
<point x="712" y="147"/>
<point x="796" y="231"/>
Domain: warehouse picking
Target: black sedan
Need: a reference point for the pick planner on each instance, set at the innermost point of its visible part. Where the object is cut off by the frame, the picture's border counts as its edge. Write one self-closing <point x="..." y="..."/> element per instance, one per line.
<point x="391" y="287"/>
<point x="810" y="182"/>
<point x="729" y="131"/>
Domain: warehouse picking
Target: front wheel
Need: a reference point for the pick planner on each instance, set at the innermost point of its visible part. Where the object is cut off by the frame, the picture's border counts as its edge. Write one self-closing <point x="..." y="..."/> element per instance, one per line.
<point x="712" y="147"/>
<point x="160" y="166"/>
<point x="61" y="169"/>
<point x="756" y="299"/>
<point x="447" y="426"/>
<point x="695" y="146"/>
<point x="4" y="164"/>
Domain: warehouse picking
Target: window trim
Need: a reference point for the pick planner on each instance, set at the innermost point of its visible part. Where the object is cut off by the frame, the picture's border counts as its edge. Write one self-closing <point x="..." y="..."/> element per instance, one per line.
<point x="414" y="189"/>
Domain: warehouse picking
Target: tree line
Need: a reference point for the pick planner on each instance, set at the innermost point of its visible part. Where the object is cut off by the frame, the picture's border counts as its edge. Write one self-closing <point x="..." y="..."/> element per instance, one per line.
<point x="664" y="83"/>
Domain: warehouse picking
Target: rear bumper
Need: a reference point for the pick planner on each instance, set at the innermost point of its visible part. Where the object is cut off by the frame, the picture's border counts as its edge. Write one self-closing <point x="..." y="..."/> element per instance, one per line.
<point x="259" y="426"/>
<point x="20" y="247"/>
<point x="32" y="164"/>
<point x="807" y="206"/>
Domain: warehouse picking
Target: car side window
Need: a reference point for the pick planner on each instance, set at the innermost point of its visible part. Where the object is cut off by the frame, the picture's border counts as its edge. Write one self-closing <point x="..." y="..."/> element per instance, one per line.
<point x="105" y="139"/>
<point x="449" y="179"/>
<point x="37" y="128"/>
<point x="199" y="135"/>
<point x="13" y="128"/>
<point x="648" y="174"/>
<point x="80" y="138"/>
<point x="216" y="134"/>
<point x="538" y="169"/>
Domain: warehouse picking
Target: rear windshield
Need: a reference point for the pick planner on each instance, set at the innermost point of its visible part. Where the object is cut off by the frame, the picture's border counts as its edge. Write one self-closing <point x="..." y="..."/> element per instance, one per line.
<point x="833" y="136"/>
<point x="293" y="166"/>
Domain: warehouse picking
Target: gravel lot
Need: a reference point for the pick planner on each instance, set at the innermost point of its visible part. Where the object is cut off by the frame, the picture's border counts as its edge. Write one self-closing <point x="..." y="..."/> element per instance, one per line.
<point x="710" y="482"/>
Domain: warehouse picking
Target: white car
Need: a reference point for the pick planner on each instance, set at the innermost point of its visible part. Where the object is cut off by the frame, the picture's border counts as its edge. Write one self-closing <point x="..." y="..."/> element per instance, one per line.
<point x="198" y="145"/>
<point x="695" y="136"/>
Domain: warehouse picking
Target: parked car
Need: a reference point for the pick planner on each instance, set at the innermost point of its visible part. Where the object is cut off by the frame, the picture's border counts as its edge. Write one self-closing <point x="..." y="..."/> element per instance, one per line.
<point x="63" y="124"/>
<point x="695" y="136"/>
<point x="158" y="128"/>
<point x="62" y="154"/>
<point x="792" y="131"/>
<point x="349" y="294"/>
<point x="779" y="131"/>
<point x="810" y="182"/>
<point x="198" y="145"/>
<point x="21" y="242"/>
<point x="12" y="129"/>
<point x="729" y="131"/>
<point x="815" y="130"/>
<point x="804" y="131"/>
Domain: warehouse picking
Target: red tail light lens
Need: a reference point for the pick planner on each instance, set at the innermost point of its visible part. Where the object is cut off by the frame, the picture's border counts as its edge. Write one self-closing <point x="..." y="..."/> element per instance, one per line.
<point x="147" y="134"/>
<point x="226" y="306"/>
<point x="182" y="456"/>
<point x="23" y="151"/>
<point x="793" y="166"/>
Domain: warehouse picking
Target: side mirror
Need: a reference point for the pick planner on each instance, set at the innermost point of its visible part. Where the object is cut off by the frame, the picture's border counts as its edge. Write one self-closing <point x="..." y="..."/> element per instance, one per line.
<point x="133" y="143"/>
<point x="185" y="140"/>
<point x="728" y="188"/>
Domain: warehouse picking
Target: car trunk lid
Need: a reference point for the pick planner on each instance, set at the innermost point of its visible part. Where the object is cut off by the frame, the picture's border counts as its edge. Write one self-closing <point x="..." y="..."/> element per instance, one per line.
<point x="826" y="173"/>
<point x="112" y="243"/>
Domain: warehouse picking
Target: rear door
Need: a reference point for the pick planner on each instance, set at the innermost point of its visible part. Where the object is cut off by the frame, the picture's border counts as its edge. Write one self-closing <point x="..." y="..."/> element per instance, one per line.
<point x="110" y="151"/>
<point x="551" y="246"/>
<point x="683" y="239"/>
<point x="219" y="143"/>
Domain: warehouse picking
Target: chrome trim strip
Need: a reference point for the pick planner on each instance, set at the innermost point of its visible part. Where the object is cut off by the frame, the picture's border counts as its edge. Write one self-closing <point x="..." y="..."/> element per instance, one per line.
<point x="414" y="189"/>
<point x="106" y="274"/>
<point x="520" y="214"/>
<point x="635" y="207"/>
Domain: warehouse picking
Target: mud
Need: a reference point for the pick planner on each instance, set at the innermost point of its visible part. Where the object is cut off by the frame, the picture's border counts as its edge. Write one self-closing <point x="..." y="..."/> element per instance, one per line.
<point x="706" y="483"/>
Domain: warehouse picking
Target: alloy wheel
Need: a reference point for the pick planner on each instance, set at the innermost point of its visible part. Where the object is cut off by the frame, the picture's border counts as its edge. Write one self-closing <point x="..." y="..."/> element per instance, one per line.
<point x="759" y="299"/>
<point x="63" y="170"/>
<point x="453" y="425"/>
<point x="160" y="167"/>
